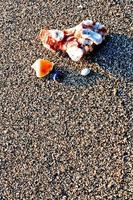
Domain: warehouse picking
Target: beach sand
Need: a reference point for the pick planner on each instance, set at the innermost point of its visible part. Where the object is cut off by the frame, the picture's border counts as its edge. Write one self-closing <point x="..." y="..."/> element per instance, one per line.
<point x="69" y="140"/>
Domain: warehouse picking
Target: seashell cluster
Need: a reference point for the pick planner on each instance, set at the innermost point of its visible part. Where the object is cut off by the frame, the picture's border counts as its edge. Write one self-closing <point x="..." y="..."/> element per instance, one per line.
<point x="76" y="41"/>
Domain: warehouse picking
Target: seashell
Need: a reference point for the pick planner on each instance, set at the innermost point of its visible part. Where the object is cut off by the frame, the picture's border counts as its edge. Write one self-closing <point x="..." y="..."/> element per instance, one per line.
<point x="42" y="67"/>
<point x="85" y="71"/>
<point x="57" y="75"/>
<point x="76" y="41"/>
<point x="75" y="53"/>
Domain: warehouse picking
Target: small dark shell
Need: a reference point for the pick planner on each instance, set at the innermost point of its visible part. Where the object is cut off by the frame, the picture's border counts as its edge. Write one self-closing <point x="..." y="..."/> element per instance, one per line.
<point x="57" y="76"/>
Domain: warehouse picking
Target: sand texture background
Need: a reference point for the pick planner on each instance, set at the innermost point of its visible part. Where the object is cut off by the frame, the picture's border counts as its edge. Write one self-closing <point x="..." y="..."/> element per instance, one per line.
<point x="69" y="140"/>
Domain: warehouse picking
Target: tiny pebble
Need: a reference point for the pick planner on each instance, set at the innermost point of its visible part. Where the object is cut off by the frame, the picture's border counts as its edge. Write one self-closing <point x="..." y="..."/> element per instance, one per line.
<point x="85" y="71"/>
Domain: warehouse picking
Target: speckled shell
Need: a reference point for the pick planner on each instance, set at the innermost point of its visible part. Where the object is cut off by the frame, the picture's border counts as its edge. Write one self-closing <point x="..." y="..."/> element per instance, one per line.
<point x="76" y="41"/>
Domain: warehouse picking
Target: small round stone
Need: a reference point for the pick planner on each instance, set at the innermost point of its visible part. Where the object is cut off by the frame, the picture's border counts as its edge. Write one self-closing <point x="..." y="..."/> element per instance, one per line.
<point x="57" y="76"/>
<point x="85" y="71"/>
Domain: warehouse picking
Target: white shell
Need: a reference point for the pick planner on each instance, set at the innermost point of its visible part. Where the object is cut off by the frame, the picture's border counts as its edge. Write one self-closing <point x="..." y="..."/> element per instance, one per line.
<point x="75" y="53"/>
<point x="85" y="71"/>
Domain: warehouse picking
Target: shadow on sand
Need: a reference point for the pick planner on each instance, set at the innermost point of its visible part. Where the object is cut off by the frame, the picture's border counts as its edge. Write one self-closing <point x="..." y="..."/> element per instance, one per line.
<point x="114" y="58"/>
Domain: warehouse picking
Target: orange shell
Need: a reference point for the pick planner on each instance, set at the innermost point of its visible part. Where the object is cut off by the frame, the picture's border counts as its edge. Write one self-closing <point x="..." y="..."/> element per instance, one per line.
<point x="42" y="67"/>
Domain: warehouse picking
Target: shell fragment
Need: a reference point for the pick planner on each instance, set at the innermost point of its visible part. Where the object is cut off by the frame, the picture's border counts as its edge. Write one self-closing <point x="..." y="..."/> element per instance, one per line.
<point x="42" y="67"/>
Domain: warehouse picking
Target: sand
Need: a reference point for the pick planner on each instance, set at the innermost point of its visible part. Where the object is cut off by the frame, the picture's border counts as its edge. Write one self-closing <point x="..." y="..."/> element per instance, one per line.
<point x="69" y="140"/>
